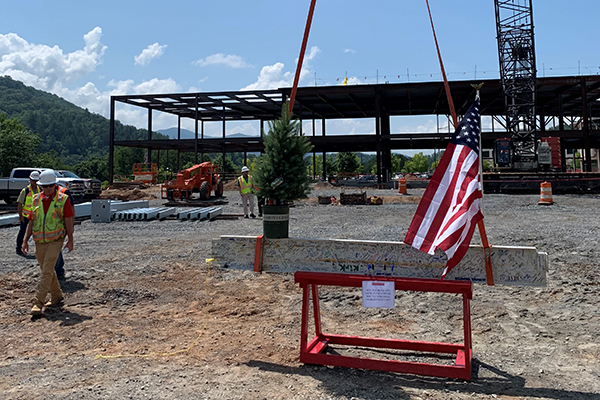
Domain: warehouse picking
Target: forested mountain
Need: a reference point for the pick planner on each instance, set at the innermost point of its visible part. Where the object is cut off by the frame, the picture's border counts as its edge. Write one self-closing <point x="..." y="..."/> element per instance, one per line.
<point x="187" y="134"/>
<point x="76" y="134"/>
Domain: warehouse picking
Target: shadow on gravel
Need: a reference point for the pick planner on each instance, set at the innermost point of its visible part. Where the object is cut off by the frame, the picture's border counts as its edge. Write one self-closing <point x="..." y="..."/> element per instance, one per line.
<point x="70" y="286"/>
<point x="66" y="318"/>
<point x="379" y="384"/>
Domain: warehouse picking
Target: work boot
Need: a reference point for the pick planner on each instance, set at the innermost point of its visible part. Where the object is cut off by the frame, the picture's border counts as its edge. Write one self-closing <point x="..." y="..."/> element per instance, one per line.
<point x="246" y="216"/>
<point x="252" y="216"/>
<point x="36" y="310"/>
<point x="54" y="302"/>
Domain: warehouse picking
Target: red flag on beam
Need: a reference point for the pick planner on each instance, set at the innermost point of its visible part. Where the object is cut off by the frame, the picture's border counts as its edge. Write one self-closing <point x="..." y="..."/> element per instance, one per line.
<point x="449" y="210"/>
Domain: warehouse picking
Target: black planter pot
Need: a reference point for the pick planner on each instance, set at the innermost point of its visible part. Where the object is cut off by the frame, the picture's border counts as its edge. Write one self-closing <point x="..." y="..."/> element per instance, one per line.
<point x="276" y="221"/>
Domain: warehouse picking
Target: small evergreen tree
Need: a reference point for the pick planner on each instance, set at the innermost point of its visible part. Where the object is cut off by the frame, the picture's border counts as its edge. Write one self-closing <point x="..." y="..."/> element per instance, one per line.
<point x="347" y="162"/>
<point x="282" y="171"/>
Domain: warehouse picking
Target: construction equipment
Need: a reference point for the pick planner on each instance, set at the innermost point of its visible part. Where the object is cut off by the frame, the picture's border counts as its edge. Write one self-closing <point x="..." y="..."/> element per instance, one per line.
<point x="516" y="52"/>
<point x="201" y="178"/>
<point x="145" y="173"/>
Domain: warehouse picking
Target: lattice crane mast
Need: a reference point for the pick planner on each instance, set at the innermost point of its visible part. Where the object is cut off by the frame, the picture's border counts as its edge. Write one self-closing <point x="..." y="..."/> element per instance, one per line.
<point x="516" y="52"/>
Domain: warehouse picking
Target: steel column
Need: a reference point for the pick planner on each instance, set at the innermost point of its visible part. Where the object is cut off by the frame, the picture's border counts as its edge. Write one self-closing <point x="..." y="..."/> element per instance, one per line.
<point x="586" y="126"/>
<point x="111" y="144"/>
<point x="149" y="149"/>
<point x="196" y="134"/>
<point x="378" y="134"/>
<point x="324" y="153"/>
<point x="178" y="138"/>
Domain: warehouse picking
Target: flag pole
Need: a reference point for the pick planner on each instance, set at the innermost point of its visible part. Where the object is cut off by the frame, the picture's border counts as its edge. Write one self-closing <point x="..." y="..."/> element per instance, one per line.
<point x="487" y="247"/>
<point x="484" y="241"/>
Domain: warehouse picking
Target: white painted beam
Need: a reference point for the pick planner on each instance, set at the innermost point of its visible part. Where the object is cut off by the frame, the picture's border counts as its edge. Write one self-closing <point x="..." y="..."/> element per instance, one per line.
<point x="511" y="265"/>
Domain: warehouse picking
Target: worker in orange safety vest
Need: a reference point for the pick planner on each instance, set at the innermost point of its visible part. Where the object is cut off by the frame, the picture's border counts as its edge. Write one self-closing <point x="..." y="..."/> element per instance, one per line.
<point x="51" y="220"/>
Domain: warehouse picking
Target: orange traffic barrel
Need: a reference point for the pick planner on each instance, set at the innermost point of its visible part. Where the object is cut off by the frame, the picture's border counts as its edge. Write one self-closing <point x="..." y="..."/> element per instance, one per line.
<point x="545" y="194"/>
<point x="402" y="186"/>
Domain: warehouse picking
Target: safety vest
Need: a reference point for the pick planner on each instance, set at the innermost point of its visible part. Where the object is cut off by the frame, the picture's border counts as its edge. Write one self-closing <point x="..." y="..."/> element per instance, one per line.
<point x="245" y="186"/>
<point x="49" y="226"/>
<point x="29" y="200"/>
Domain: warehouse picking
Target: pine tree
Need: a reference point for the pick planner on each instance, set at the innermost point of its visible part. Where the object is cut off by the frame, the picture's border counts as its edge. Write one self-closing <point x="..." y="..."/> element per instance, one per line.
<point x="282" y="172"/>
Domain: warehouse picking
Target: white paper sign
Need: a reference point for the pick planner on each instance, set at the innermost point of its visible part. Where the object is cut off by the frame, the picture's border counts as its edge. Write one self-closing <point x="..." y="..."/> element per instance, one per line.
<point x="378" y="294"/>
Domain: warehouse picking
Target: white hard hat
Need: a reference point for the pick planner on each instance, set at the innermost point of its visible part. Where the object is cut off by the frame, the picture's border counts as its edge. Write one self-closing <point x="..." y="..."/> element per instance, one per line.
<point x="34" y="176"/>
<point x="245" y="169"/>
<point x="47" y="177"/>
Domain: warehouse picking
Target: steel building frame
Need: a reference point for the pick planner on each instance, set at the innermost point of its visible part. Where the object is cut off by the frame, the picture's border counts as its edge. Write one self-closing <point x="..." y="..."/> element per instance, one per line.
<point x="559" y="99"/>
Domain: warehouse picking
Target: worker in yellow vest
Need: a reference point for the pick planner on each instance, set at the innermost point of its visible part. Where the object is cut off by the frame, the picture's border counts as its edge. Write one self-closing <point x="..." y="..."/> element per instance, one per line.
<point x="51" y="220"/>
<point x="24" y="202"/>
<point x="246" y="189"/>
<point x="60" y="263"/>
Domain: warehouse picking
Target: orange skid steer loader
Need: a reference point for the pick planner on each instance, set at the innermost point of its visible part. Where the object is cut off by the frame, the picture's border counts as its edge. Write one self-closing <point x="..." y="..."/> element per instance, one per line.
<point x="201" y="178"/>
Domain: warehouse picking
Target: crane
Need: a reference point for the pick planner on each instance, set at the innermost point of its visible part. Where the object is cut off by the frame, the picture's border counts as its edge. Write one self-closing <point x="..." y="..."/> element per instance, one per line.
<point x="516" y="53"/>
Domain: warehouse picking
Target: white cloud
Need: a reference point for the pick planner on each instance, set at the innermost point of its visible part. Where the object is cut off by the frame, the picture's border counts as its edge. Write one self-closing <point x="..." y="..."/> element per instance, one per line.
<point x="273" y="76"/>
<point x="96" y="101"/>
<point x="49" y="69"/>
<point x="351" y="51"/>
<point x="227" y="60"/>
<point x="150" y="53"/>
<point x="45" y="67"/>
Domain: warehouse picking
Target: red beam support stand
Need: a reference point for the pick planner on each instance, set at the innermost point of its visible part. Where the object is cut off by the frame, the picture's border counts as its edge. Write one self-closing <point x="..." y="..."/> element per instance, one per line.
<point x="313" y="351"/>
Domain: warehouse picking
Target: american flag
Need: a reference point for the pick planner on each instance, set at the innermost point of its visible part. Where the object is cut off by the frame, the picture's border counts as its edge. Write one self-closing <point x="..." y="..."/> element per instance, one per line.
<point x="449" y="210"/>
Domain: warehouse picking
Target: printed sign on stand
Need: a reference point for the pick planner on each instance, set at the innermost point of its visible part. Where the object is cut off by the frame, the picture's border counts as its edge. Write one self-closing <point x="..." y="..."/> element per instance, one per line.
<point x="378" y="294"/>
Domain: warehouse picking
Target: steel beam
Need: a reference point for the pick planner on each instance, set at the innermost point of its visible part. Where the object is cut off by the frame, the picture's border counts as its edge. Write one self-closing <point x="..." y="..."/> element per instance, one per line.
<point x="511" y="265"/>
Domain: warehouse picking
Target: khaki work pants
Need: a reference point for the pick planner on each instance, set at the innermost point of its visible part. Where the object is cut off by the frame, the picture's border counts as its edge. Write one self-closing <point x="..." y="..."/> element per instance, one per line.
<point x="47" y="254"/>
<point x="248" y="198"/>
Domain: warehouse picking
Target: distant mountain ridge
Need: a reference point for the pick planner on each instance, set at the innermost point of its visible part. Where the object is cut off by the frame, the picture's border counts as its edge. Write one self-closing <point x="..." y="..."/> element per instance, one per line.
<point x="76" y="134"/>
<point x="187" y="134"/>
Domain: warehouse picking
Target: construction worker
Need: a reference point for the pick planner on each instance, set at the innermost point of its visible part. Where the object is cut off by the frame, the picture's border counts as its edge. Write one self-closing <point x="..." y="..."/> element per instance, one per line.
<point x="51" y="220"/>
<point x="60" y="263"/>
<point x="24" y="202"/>
<point x="245" y="187"/>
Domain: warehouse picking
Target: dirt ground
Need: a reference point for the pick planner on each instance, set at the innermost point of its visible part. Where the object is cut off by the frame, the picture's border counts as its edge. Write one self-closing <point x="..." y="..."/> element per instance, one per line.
<point x="145" y="316"/>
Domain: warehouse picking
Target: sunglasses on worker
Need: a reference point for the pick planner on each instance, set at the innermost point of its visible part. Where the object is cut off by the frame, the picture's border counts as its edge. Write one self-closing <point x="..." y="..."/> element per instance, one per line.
<point x="46" y="186"/>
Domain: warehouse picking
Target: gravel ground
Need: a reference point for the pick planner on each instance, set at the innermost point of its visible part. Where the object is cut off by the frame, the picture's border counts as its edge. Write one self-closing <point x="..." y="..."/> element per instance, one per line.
<point x="140" y="288"/>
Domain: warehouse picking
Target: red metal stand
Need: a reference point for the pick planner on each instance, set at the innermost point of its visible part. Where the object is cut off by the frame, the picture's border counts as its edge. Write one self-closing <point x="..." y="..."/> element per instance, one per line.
<point x="313" y="352"/>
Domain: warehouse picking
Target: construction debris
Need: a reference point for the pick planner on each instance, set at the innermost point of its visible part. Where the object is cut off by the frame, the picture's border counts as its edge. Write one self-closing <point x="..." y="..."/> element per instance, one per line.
<point x="353" y="198"/>
<point x="324" y="199"/>
<point x="375" y="201"/>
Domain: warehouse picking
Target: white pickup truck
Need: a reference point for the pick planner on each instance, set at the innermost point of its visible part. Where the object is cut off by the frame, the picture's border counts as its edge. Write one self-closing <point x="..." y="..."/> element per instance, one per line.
<point x="11" y="186"/>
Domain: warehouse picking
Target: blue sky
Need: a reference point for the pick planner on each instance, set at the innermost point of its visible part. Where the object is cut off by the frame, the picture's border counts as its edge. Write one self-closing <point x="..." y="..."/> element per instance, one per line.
<point x="87" y="51"/>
